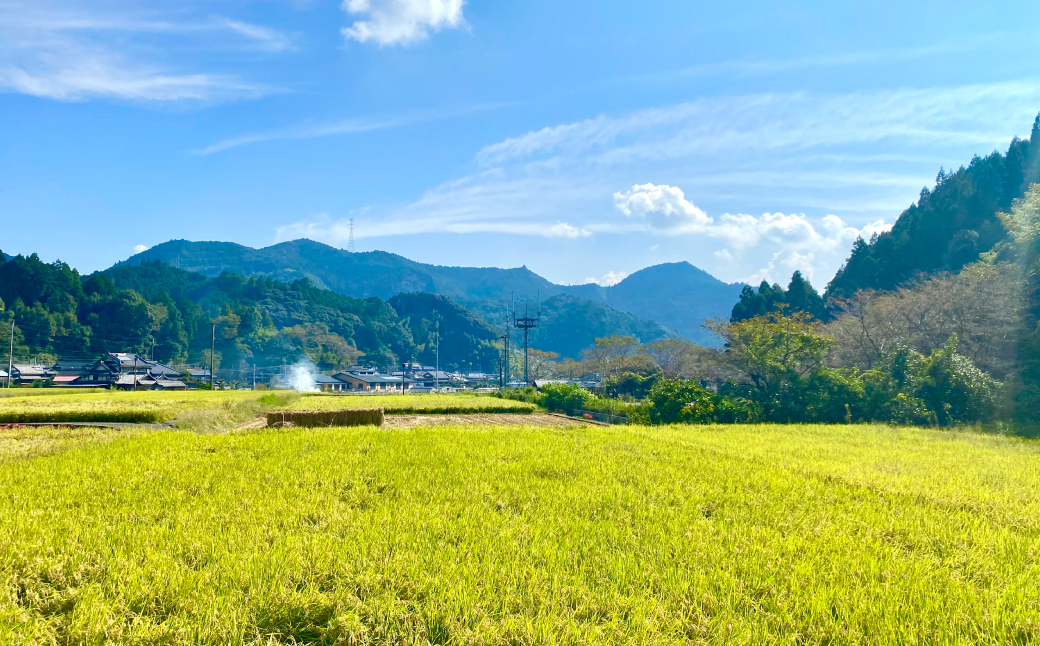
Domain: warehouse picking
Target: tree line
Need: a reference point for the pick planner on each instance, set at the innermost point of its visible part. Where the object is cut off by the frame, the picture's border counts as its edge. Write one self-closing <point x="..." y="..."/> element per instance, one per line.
<point x="175" y="316"/>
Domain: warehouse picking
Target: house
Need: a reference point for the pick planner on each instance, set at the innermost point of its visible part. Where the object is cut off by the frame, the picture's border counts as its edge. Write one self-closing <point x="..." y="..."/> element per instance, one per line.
<point x="368" y="380"/>
<point x="67" y="373"/>
<point x="27" y="374"/>
<point x="432" y="378"/>
<point x="148" y="382"/>
<point x="107" y="369"/>
<point x="326" y="383"/>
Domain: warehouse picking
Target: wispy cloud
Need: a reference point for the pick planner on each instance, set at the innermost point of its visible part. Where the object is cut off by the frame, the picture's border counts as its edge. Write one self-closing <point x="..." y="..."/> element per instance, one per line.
<point x="337" y="232"/>
<point x="62" y="51"/>
<point x="347" y="126"/>
<point x="796" y="121"/>
<point x="825" y="169"/>
<point x="825" y="60"/>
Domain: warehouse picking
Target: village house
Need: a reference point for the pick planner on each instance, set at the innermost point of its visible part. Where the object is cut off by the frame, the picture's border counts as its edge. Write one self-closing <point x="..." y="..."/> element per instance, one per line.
<point x="366" y="378"/>
<point x="23" y="374"/>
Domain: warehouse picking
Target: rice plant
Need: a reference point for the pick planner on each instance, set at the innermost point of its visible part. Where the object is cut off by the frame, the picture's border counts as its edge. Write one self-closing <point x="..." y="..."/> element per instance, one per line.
<point x="520" y="535"/>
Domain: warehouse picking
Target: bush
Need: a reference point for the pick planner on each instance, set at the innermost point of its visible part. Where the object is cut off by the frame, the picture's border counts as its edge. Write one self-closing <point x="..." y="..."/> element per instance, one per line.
<point x="673" y="401"/>
<point x="564" y="397"/>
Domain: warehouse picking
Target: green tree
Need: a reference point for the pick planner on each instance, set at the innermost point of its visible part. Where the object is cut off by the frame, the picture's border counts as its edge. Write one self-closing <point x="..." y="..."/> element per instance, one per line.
<point x="1023" y="224"/>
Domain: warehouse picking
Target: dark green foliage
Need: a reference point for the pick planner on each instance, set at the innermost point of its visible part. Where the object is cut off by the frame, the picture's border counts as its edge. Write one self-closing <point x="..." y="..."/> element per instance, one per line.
<point x="799" y="297"/>
<point x="673" y="401"/>
<point x="167" y="313"/>
<point x="630" y="384"/>
<point x="678" y="296"/>
<point x="779" y="360"/>
<point x="466" y="340"/>
<point x="949" y="226"/>
<point x="564" y="397"/>
<point x="570" y="324"/>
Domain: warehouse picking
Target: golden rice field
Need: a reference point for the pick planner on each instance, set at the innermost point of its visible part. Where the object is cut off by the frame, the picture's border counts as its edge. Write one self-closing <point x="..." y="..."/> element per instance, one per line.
<point x="429" y="403"/>
<point x="114" y="406"/>
<point x="524" y="535"/>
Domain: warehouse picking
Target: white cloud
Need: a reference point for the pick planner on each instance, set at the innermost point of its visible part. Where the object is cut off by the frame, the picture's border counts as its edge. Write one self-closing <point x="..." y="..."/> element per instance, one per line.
<point x="347" y="126"/>
<point x="400" y="22"/>
<point x="139" y="248"/>
<point x="62" y="52"/>
<point x="70" y="77"/>
<point x="665" y="208"/>
<point x="608" y="279"/>
<point x="336" y="232"/>
<point x="816" y="170"/>
<point x="795" y="121"/>
<point x="266" y="38"/>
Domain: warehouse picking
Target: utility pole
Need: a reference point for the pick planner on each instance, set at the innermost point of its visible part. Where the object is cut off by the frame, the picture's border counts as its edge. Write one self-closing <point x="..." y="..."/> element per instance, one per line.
<point x="254" y="376"/>
<point x="212" y="349"/>
<point x="135" y="372"/>
<point x="437" y="368"/>
<point x="527" y="323"/>
<point x="350" y="240"/>
<point x="10" y="354"/>
<point x="504" y="361"/>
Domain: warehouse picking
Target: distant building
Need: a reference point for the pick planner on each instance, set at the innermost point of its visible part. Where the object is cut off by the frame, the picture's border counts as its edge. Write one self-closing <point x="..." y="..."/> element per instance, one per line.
<point x="27" y="374"/>
<point x="148" y="382"/>
<point x="367" y="379"/>
<point x="67" y="373"/>
<point x="107" y="370"/>
<point x="325" y="383"/>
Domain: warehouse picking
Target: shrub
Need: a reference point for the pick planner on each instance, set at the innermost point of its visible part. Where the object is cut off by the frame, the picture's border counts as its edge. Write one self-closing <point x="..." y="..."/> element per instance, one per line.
<point x="564" y="397"/>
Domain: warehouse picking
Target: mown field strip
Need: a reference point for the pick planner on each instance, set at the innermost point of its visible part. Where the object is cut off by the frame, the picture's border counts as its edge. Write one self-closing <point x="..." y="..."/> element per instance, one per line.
<point x="428" y="403"/>
<point x="493" y="535"/>
<point x="114" y="406"/>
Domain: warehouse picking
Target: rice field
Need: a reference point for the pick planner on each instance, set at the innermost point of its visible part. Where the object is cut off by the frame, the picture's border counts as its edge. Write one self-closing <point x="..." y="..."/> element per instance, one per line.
<point x="430" y="403"/>
<point x="525" y="535"/>
<point x="114" y="406"/>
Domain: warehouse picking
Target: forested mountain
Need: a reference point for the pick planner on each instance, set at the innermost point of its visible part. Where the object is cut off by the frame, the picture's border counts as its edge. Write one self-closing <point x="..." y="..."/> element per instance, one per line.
<point x="570" y="324"/>
<point x="677" y="296"/>
<point x="173" y="315"/>
<point x="949" y="226"/>
<point x="465" y="338"/>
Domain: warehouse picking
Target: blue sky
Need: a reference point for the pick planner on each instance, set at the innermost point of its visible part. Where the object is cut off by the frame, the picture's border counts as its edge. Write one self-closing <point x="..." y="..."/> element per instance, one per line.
<point x="585" y="140"/>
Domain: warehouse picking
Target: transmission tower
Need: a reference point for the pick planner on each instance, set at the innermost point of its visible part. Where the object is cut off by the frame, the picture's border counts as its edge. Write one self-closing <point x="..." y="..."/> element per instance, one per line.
<point x="527" y="323"/>
<point x="350" y="239"/>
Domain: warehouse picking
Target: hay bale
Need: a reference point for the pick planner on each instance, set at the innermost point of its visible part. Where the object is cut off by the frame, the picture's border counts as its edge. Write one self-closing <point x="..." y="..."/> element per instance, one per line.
<point x="347" y="417"/>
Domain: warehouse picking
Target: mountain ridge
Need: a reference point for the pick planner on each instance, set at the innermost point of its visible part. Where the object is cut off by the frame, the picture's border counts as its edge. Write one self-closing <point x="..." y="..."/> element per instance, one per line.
<point x="677" y="296"/>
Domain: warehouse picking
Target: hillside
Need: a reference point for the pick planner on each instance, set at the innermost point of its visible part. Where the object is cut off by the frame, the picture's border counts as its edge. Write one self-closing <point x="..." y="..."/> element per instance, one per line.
<point x="677" y="296"/>
<point x="949" y="226"/>
<point x="465" y="338"/>
<point x="166" y="313"/>
<point x="570" y="324"/>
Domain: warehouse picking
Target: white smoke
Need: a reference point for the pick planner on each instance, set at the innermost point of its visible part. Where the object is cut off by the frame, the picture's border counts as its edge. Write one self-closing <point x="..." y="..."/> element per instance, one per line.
<point x="300" y="377"/>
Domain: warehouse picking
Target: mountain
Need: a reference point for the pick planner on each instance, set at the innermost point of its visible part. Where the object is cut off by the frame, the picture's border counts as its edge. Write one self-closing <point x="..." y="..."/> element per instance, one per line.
<point x="465" y="339"/>
<point x="570" y="324"/>
<point x="677" y="296"/>
<point x="361" y="275"/>
<point x="949" y="226"/>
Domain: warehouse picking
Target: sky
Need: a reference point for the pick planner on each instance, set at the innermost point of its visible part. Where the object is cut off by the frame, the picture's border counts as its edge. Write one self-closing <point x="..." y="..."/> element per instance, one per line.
<point x="585" y="140"/>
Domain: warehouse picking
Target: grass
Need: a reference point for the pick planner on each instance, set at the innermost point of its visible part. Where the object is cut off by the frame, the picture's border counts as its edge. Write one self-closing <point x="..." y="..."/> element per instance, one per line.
<point x="38" y="392"/>
<point x="114" y="406"/>
<point x="425" y="403"/>
<point x="489" y="535"/>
